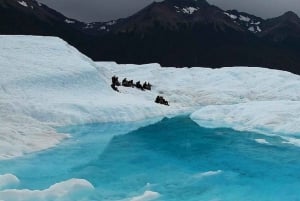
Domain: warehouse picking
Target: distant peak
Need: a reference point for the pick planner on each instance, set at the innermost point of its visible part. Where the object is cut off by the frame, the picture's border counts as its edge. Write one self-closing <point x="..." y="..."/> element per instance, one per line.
<point x="184" y="3"/>
<point x="290" y="15"/>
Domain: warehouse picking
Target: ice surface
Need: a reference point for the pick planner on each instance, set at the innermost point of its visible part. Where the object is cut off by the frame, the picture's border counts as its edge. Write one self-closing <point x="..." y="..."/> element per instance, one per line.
<point x="262" y="141"/>
<point x="273" y="117"/>
<point x="207" y="174"/>
<point x="70" y="190"/>
<point x="8" y="181"/>
<point x="147" y="196"/>
<point x="44" y="82"/>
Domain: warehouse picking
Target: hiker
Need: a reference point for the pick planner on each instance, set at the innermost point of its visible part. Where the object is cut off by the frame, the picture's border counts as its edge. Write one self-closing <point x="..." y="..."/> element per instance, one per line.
<point x="139" y="86"/>
<point x="113" y="86"/>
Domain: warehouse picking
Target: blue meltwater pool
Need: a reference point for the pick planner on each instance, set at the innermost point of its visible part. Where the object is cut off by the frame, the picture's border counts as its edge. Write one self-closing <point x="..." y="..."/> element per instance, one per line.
<point x="172" y="160"/>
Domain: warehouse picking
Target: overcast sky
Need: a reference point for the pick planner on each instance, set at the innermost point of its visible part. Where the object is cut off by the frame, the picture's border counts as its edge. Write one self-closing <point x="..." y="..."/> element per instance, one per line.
<point x="105" y="10"/>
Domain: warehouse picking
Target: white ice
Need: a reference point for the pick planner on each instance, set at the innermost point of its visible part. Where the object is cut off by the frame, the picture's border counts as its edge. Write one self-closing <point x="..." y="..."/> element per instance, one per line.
<point x="270" y="117"/>
<point x="70" y="190"/>
<point x="207" y="174"/>
<point x="262" y="141"/>
<point x="8" y="181"/>
<point x="44" y="82"/>
<point x="147" y="196"/>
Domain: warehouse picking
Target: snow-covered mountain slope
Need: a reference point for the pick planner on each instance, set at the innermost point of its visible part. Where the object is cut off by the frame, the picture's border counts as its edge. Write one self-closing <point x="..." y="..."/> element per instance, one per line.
<point x="44" y="82"/>
<point x="245" y="20"/>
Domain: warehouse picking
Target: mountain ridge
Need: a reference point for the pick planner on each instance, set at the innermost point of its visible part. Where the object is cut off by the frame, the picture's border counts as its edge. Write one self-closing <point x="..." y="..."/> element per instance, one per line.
<point x="175" y="33"/>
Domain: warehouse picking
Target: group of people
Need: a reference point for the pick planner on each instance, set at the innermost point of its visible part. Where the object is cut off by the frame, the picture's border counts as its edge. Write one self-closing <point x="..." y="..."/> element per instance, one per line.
<point x="129" y="83"/>
<point x="161" y="100"/>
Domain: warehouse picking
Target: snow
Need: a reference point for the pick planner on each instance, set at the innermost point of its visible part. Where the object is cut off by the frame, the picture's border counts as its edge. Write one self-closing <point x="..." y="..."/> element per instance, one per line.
<point x="231" y="15"/>
<point x="243" y="18"/>
<point x="89" y="26"/>
<point x="23" y="3"/>
<point x="102" y="27"/>
<point x="252" y="29"/>
<point x="70" y="190"/>
<point x="251" y="24"/>
<point x="68" y="21"/>
<point x="258" y="29"/>
<point x="189" y="10"/>
<point x="111" y="23"/>
<point x="44" y="83"/>
<point x="186" y="10"/>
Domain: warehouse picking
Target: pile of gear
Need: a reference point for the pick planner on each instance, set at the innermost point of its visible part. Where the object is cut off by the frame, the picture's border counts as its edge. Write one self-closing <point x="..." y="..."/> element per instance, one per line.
<point x="161" y="100"/>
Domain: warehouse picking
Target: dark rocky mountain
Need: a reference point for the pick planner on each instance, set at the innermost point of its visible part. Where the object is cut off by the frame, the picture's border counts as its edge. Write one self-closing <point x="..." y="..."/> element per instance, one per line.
<point x="282" y="28"/>
<point x="173" y="33"/>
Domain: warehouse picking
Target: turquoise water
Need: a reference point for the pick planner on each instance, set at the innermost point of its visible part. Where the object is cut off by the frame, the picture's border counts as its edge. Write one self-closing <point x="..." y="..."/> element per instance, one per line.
<point x="174" y="157"/>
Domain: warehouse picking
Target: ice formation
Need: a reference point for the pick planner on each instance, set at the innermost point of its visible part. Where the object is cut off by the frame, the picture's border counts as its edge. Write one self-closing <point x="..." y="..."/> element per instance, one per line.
<point x="70" y="190"/>
<point x="44" y="82"/>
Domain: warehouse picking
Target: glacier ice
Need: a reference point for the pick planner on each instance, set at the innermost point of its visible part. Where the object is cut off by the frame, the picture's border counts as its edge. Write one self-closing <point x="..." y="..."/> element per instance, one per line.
<point x="70" y="190"/>
<point x="44" y="83"/>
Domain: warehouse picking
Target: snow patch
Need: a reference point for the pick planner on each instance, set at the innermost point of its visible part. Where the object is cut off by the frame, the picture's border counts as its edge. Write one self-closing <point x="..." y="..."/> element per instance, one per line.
<point x="258" y="29"/>
<point x="89" y="26"/>
<point x="23" y="3"/>
<point x="186" y="10"/>
<point x="103" y="28"/>
<point x="252" y="29"/>
<point x="189" y="10"/>
<point x="68" y="21"/>
<point x="234" y="17"/>
<point x="111" y="23"/>
<point x="243" y="18"/>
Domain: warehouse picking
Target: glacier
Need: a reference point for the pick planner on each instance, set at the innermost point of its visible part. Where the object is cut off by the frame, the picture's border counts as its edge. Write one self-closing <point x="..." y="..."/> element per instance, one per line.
<point x="70" y="190"/>
<point x="46" y="83"/>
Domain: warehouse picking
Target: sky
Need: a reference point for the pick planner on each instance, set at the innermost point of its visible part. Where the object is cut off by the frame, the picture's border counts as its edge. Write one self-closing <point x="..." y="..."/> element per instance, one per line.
<point x="105" y="10"/>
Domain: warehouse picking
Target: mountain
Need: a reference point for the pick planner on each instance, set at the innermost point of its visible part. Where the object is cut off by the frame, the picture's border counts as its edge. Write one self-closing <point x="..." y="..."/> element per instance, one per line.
<point x="173" y="33"/>
<point x="282" y="28"/>
<point x="193" y="33"/>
